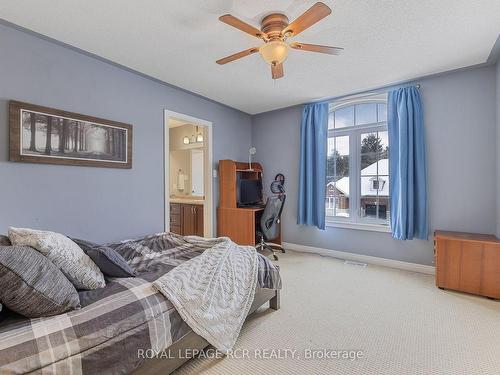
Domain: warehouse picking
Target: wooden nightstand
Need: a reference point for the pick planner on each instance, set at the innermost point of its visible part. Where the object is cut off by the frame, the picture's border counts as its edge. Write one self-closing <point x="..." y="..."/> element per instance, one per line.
<point x="468" y="262"/>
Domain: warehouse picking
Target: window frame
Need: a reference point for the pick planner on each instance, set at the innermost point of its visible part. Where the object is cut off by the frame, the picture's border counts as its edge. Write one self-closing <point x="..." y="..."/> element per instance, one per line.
<point x="355" y="220"/>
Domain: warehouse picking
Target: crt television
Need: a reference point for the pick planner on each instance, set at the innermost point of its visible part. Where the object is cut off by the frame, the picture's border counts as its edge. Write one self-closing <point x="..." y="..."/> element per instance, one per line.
<point x="250" y="192"/>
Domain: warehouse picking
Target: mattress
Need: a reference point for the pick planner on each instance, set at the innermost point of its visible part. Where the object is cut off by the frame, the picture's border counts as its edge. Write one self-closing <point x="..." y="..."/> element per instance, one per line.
<point x="116" y="323"/>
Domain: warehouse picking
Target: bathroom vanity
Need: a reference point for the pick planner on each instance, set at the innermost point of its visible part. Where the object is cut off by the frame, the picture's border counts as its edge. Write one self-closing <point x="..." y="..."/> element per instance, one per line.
<point x="186" y="217"/>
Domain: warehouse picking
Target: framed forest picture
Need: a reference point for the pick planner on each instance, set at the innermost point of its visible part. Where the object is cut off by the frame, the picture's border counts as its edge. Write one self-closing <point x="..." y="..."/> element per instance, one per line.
<point x="46" y="135"/>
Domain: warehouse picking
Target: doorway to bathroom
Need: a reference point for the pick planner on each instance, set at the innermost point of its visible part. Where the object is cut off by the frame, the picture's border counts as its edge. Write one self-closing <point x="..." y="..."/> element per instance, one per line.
<point x="188" y="175"/>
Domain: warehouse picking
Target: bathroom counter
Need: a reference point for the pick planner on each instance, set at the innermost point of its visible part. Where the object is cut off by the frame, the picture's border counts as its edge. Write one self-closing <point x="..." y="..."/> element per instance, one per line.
<point x="187" y="201"/>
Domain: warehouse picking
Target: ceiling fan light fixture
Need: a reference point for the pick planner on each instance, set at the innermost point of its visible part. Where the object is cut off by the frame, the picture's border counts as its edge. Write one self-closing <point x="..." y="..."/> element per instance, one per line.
<point x="274" y="52"/>
<point x="275" y="29"/>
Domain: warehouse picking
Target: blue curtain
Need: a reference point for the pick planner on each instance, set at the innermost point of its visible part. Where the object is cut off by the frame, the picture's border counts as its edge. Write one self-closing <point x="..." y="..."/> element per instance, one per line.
<point x="408" y="166"/>
<point x="313" y="153"/>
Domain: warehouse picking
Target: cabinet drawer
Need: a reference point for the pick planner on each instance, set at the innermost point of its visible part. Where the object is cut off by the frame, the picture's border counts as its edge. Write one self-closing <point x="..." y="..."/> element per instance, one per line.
<point x="175" y="220"/>
<point x="175" y="208"/>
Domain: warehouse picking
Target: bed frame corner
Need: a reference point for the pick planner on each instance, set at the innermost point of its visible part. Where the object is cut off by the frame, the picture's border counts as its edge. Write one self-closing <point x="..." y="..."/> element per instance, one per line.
<point x="274" y="303"/>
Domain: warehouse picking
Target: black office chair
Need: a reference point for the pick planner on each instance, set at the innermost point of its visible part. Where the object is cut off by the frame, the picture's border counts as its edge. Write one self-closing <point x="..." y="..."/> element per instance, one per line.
<point x="269" y="228"/>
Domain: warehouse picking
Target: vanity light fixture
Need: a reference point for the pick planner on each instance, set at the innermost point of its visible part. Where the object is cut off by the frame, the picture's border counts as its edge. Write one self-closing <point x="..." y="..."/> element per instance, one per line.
<point x="195" y="138"/>
<point x="199" y="137"/>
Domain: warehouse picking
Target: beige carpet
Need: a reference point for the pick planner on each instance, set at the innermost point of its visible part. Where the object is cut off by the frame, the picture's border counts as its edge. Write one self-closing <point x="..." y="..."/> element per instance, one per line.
<point x="400" y="321"/>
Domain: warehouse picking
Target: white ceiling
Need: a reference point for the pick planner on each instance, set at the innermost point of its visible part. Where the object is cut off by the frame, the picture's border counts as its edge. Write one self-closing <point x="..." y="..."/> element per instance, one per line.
<point x="385" y="41"/>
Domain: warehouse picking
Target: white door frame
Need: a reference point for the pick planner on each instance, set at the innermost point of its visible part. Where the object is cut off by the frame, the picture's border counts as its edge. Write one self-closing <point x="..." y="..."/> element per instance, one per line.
<point x="208" y="229"/>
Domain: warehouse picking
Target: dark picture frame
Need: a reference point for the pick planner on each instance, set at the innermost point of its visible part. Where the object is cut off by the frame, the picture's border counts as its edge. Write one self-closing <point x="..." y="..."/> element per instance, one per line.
<point x="51" y="136"/>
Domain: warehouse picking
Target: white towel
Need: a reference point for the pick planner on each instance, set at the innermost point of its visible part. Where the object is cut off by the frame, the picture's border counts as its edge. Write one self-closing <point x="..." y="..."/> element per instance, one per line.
<point x="180" y="181"/>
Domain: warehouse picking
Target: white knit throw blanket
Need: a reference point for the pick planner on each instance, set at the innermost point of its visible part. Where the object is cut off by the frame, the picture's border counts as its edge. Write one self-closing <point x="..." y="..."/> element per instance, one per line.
<point x="214" y="291"/>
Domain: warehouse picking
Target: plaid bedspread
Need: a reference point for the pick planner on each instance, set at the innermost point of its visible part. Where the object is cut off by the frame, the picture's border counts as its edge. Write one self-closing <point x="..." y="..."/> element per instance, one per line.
<point x="103" y="337"/>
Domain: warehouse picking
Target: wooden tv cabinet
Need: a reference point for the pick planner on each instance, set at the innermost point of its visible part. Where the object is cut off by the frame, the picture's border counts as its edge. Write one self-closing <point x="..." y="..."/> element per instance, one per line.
<point x="468" y="262"/>
<point x="238" y="223"/>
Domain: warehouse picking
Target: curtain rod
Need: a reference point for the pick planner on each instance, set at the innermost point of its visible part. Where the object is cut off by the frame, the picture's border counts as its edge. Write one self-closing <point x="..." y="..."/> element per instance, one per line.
<point x="361" y="94"/>
<point x="381" y="91"/>
<point x="369" y="93"/>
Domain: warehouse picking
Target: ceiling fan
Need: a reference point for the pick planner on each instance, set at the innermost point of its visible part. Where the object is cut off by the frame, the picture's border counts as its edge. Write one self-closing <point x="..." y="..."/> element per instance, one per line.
<point x="275" y="30"/>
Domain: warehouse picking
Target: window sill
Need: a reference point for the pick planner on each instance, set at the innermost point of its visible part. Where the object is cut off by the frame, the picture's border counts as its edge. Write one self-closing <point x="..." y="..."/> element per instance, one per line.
<point x="359" y="226"/>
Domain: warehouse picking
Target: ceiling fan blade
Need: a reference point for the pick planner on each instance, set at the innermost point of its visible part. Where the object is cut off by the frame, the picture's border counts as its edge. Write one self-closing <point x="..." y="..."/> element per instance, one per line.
<point x="243" y="26"/>
<point x="314" y="14"/>
<point x="316" y="48"/>
<point x="237" y="56"/>
<point x="277" y="71"/>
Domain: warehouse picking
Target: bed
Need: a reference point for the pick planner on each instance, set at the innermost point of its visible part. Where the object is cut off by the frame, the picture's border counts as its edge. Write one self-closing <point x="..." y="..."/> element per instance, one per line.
<point x="118" y="323"/>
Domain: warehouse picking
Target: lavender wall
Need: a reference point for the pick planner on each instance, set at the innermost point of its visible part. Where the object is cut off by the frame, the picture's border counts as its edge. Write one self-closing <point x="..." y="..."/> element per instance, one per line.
<point x="99" y="204"/>
<point x="462" y="116"/>
<point x="460" y="123"/>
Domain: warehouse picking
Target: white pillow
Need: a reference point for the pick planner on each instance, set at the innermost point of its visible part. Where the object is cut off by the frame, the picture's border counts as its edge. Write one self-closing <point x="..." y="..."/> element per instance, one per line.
<point x="64" y="253"/>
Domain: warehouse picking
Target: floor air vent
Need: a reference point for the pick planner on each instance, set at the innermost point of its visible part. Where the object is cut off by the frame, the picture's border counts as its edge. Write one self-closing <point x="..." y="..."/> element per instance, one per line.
<point x="353" y="263"/>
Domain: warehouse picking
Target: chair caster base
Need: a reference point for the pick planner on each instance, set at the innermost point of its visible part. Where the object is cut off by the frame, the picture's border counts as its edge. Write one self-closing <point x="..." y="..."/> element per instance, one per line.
<point x="270" y="247"/>
<point x="276" y="246"/>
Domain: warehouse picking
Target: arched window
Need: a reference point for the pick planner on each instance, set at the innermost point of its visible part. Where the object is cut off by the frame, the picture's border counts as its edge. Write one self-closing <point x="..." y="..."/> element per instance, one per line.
<point x="357" y="192"/>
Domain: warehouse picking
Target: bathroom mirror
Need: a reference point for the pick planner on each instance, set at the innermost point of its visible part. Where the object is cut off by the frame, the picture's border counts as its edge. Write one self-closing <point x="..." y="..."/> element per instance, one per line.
<point x="197" y="176"/>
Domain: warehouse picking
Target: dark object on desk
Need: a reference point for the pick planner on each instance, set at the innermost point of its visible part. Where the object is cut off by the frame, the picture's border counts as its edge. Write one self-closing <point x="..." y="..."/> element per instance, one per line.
<point x="250" y="193"/>
<point x="270" y="220"/>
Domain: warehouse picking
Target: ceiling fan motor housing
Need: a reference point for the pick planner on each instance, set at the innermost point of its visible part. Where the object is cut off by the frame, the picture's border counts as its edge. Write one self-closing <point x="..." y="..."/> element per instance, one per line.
<point x="273" y="24"/>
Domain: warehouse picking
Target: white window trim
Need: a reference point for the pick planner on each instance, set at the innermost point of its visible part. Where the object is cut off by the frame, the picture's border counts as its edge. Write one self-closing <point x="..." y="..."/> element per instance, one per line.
<point x="332" y="222"/>
<point x="355" y="221"/>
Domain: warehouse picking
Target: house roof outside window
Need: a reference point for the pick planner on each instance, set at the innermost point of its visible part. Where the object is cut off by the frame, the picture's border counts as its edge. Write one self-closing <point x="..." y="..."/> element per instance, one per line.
<point x="342" y="185"/>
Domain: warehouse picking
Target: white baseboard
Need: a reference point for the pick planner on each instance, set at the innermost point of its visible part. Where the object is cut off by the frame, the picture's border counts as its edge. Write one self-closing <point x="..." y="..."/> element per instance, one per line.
<point x="414" y="267"/>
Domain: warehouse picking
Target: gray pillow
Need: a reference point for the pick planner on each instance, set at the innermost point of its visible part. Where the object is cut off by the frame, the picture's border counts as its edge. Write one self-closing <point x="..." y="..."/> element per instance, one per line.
<point x="32" y="285"/>
<point x="107" y="259"/>
<point x="64" y="253"/>
<point x="4" y="241"/>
